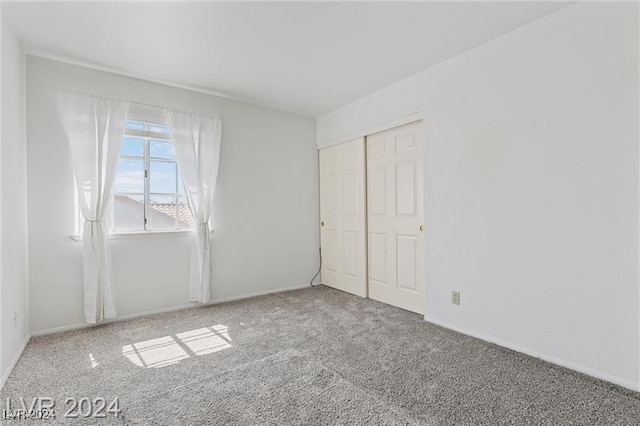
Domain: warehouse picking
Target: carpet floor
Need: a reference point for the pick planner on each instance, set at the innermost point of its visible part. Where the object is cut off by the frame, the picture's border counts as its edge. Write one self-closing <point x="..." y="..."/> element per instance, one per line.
<point x="312" y="356"/>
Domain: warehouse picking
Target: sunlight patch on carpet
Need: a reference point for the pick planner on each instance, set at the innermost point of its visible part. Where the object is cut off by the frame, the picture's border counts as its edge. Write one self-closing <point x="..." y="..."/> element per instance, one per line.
<point x="169" y="350"/>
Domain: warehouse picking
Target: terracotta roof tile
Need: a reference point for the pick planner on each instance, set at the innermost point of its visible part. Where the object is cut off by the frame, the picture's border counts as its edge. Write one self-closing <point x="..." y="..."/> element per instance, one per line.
<point x="183" y="212"/>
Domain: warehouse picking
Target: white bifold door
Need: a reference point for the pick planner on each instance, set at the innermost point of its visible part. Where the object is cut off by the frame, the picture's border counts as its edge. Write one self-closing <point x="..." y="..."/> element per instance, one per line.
<point x="395" y="216"/>
<point x="343" y="216"/>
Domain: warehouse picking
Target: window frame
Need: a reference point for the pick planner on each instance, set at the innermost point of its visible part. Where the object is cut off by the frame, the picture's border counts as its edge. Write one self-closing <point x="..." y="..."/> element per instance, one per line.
<point x="147" y="136"/>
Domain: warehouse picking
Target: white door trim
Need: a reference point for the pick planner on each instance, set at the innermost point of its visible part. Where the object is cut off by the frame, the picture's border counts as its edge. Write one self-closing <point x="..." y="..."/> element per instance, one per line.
<point x="396" y="122"/>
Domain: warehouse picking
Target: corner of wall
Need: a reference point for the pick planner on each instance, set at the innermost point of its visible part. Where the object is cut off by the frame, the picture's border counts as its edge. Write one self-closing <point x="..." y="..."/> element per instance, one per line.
<point x="1" y="227"/>
<point x="27" y="292"/>
<point x="14" y="360"/>
<point x="638" y="143"/>
<point x="14" y="280"/>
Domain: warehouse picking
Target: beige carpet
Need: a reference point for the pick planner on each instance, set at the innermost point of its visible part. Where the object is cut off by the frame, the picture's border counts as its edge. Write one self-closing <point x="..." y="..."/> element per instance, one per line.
<point x="314" y="356"/>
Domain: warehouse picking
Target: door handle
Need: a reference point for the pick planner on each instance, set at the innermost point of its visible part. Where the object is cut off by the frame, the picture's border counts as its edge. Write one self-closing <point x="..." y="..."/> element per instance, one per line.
<point x="322" y="223"/>
<point x="420" y="228"/>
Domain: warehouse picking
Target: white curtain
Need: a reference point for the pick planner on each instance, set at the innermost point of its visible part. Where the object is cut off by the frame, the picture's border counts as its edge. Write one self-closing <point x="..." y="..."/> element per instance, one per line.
<point x="94" y="128"/>
<point x="197" y="139"/>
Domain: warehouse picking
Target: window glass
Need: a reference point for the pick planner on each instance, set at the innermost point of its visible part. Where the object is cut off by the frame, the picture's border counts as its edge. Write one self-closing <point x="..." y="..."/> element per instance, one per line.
<point x="158" y="129"/>
<point x="148" y="191"/>
<point x="128" y="212"/>
<point x="185" y="219"/>
<point x="129" y="176"/>
<point x="163" y="212"/>
<point x="133" y="147"/>
<point x="134" y="125"/>
<point x="162" y="177"/>
<point x="161" y="149"/>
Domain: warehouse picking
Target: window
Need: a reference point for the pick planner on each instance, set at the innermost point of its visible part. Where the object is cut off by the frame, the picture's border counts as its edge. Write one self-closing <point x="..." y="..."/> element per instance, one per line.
<point x="148" y="191"/>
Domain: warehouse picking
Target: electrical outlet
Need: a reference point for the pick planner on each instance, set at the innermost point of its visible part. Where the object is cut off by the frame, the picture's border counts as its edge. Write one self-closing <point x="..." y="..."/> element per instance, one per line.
<point x="15" y="319"/>
<point x="455" y="297"/>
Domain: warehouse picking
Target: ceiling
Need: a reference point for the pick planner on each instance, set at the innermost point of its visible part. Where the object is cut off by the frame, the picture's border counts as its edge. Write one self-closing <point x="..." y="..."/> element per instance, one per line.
<point x="305" y="58"/>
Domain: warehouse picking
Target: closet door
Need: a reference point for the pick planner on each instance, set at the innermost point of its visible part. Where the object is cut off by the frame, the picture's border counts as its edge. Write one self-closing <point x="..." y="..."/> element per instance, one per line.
<point x="395" y="214"/>
<point x="342" y="216"/>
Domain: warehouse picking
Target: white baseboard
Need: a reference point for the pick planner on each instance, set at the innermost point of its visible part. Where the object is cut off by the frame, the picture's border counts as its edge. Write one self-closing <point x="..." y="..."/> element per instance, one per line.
<point x="15" y="359"/>
<point x="81" y="325"/>
<point x="181" y="307"/>
<point x="260" y="293"/>
<point x="562" y="363"/>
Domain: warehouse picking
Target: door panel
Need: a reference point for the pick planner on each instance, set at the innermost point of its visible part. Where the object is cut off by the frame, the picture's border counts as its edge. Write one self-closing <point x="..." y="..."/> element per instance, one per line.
<point x="330" y="194"/>
<point x="377" y="148"/>
<point x="350" y="253"/>
<point x="405" y="142"/>
<point x="406" y="189"/>
<point x="349" y="192"/>
<point x="376" y="195"/>
<point x="378" y="258"/>
<point x="406" y="261"/>
<point x="394" y="217"/>
<point x="343" y="217"/>
<point x="331" y="240"/>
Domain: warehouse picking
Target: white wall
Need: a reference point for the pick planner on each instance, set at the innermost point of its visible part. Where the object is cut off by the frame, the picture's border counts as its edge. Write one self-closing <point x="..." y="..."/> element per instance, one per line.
<point x="13" y="168"/>
<point x="531" y="186"/>
<point x="266" y="209"/>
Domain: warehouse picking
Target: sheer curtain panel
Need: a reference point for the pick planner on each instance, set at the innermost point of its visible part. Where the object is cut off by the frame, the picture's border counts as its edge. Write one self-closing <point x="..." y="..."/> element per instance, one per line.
<point x="94" y="128"/>
<point x="197" y="139"/>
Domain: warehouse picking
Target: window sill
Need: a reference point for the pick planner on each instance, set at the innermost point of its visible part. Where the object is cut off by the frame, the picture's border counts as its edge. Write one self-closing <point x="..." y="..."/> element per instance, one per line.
<point x="143" y="234"/>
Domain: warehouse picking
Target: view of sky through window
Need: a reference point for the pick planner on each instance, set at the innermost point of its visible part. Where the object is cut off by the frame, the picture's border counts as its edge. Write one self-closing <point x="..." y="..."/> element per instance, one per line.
<point x="161" y="191"/>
